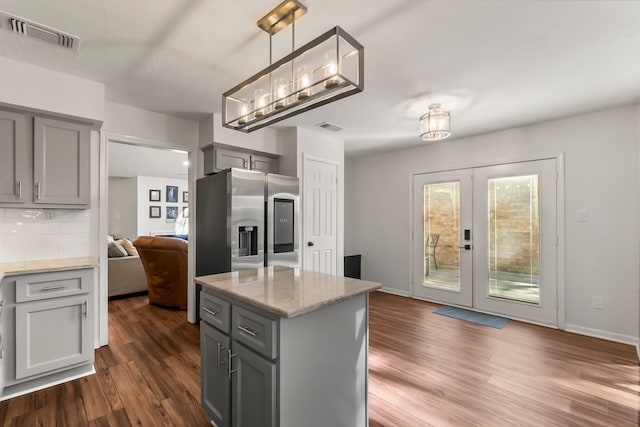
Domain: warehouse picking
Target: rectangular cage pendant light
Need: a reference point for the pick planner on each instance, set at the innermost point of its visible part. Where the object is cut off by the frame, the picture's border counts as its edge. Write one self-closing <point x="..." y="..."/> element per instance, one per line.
<point x="326" y="69"/>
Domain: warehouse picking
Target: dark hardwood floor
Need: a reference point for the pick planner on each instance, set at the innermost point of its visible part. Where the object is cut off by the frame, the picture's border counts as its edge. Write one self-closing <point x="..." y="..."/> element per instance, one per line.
<point x="425" y="369"/>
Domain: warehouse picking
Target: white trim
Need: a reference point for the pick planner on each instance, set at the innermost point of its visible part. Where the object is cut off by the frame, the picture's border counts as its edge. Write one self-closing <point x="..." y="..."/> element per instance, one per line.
<point x="103" y="222"/>
<point x="560" y="249"/>
<point x="605" y="335"/>
<point x="81" y="372"/>
<point x="394" y="292"/>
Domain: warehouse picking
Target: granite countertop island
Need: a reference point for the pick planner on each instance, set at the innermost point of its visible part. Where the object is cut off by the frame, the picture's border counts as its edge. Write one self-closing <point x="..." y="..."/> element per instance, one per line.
<point x="284" y="347"/>
<point x="45" y="265"/>
<point x="286" y="292"/>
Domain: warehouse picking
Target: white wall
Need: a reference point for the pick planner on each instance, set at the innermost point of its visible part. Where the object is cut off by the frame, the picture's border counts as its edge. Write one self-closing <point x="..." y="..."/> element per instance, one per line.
<point x="123" y="213"/>
<point x="40" y="89"/>
<point x="150" y="226"/>
<point x="265" y="139"/>
<point x="601" y="175"/>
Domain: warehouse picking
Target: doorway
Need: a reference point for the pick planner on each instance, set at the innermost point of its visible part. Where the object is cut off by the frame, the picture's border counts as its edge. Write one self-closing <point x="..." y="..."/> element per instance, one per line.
<point x="486" y="238"/>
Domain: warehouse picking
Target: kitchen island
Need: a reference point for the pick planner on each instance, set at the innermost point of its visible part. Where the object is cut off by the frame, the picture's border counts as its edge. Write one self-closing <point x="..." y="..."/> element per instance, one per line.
<point x="284" y="347"/>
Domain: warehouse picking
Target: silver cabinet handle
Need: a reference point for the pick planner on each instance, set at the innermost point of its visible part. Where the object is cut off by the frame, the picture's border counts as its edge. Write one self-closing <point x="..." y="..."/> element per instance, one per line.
<point x="19" y="185"/>
<point x="229" y="370"/>
<point x="244" y="163"/>
<point x="38" y="190"/>
<point x="247" y="331"/>
<point x="3" y="302"/>
<point x="206" y="310"/>
<point x="53" y="288"/>
<point x="86" y="309"/>
<point x="220" y="362"/>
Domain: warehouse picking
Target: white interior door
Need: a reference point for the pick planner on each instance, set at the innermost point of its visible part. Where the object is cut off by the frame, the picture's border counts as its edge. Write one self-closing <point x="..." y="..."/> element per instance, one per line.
<point x="515" y="243"/>
<point x="442" y="249"/>
<point x="320" y="198"/>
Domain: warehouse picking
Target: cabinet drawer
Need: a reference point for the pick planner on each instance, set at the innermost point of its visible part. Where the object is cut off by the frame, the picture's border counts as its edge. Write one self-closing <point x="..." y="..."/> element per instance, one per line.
<point x="30" y="287"/>
<point x="255" y="331"/>
<point x="215" y="311"/>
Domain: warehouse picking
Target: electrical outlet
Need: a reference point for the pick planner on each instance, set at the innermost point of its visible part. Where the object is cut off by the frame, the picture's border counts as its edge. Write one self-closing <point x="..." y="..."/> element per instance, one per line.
<point x="596" y="302"/>
<point x="583" y="215"/>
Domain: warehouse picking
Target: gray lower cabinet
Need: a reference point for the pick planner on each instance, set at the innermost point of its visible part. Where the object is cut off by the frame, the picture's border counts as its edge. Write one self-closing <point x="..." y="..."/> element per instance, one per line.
<point x="47" y="327"/>
<point x="238" y="385"/>
<point x="44" y="163"/>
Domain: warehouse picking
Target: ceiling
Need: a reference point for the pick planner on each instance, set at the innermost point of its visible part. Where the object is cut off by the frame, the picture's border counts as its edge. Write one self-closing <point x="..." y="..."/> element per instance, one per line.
<point x="494" y="64"/>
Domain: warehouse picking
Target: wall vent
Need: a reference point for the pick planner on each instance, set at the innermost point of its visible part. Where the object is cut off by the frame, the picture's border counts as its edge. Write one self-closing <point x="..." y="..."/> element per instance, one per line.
<point x="329" y="126"/>
<point x="38" y="31"/>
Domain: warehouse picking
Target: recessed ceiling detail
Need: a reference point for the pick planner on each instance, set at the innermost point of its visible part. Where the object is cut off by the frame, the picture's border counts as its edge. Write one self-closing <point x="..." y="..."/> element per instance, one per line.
<point x="38" y="31"/>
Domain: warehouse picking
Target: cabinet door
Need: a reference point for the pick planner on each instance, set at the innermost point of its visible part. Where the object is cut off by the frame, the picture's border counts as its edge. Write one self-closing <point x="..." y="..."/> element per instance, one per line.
<point x="214" y="374"/>
<point x="14" y="164"/>
<point x="226" y="159"/>
<point x="253" y="389"/>
<point x="264" y="164"/>
<point x="61" y="159"/>
<point x="53" y="334"/>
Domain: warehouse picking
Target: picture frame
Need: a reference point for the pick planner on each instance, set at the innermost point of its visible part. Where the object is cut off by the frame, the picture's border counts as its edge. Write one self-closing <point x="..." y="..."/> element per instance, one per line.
<point x="185" y="197"/>
<point x="172" y="194"/>
<point x="154" y="195"/>
<point x="172" y="213"/>
<point x="185" y="212"/>
<point x="155" y="211"/>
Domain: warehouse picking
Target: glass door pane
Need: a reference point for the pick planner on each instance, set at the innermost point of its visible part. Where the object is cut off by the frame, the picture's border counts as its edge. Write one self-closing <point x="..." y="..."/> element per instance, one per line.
<point x="515" y="253"/>
<point x="442" y="266"/>
<point x="442" y="234"/>
<point x="514" y="238"/>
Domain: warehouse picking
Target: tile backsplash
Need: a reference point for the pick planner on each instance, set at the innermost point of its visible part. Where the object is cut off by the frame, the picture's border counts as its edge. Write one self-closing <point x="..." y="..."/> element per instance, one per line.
<point x="31" y="234"/>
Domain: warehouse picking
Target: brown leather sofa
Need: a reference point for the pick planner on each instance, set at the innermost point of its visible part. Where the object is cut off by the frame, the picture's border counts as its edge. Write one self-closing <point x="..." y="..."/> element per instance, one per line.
<point x="165" y="264"/>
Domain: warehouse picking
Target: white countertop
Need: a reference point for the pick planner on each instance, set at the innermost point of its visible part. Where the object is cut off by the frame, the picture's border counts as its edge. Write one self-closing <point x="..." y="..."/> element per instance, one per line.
<point x="45" y="265"/>
<point x="284" y="291"/>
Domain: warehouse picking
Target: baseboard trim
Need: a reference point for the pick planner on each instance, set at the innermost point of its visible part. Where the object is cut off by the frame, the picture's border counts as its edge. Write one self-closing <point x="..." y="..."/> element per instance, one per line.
<point x="48" y="381"/>
<point x="605" y="335"/>
<point x="394" y="291"/>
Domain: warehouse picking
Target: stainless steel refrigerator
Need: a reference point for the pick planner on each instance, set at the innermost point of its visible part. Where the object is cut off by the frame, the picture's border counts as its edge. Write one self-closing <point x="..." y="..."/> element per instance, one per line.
<point x="246" y="219"/>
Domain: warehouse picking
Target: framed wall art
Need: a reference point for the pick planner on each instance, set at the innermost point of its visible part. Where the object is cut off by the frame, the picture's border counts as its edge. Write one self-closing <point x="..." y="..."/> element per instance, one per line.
<point x="172" y="213"/>
<point x="154" y="195"/>
<point x="154" y="211"/>
<point x="172" y="194"/>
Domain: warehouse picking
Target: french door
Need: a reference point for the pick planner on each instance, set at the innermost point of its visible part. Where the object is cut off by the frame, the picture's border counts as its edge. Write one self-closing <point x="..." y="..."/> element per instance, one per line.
<point x="485" y="238"/>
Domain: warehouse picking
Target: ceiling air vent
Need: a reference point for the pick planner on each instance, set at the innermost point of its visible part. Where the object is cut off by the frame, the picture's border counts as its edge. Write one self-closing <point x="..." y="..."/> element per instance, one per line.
<point x="37" y="31"/>
<point x="329" y="126"/>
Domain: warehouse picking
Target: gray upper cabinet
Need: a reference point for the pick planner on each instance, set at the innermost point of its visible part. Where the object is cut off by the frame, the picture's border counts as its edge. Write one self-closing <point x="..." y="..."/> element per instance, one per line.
<point x="14" y="163"/>
<point x="60" y="162"/>
<point x="45" y="162"/>
<point x="264" y="163"/>
<point x="225" y="157"/>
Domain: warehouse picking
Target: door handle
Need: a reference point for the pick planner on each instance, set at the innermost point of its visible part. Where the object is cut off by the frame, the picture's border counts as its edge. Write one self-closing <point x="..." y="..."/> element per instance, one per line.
<point x="309" y="244"/>
<point x="465" y="247"/>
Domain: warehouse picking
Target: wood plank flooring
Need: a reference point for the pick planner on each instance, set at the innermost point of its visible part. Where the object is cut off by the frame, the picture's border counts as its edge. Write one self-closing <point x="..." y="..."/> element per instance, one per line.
<point x="431" y="370"/>
<point x="425" y="370"/>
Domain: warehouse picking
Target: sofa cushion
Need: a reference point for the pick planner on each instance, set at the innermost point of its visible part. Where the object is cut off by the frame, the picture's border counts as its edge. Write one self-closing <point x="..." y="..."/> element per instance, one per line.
<point x="115" y="250"/>
<point x="128" y="246"/>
